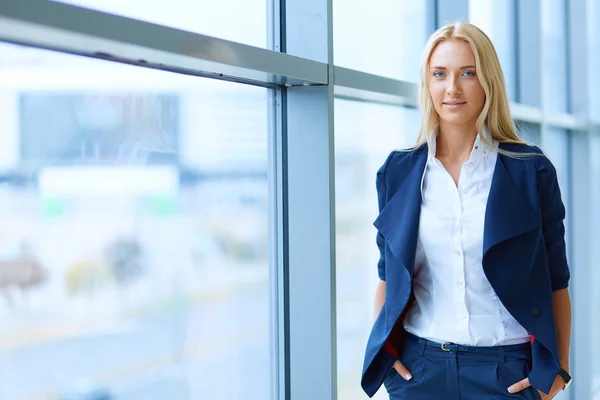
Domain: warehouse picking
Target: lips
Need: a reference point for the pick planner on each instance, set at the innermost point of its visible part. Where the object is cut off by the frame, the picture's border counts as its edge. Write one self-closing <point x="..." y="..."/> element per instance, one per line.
<point x="454" y="103"/>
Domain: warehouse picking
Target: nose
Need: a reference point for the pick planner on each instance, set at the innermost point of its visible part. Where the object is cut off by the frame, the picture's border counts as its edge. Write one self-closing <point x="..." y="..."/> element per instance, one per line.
<point x="453" y="88"/>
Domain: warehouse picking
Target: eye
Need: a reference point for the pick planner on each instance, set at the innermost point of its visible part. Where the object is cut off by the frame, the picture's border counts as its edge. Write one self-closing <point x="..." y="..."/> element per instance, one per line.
<point x="438" y="74"/>
<point x="469" y="74"/>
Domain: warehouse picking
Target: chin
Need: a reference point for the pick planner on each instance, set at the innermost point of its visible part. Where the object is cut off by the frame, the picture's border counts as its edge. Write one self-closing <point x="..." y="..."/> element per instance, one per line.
<point x="455" y="119"/>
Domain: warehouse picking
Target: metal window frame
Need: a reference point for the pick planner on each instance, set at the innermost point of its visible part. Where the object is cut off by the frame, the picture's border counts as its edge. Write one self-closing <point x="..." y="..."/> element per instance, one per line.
<point x="301" y="142"/>
<point x="71" y="29"/>
<point x="581" y="200"/>
<point x="309" y="201"/>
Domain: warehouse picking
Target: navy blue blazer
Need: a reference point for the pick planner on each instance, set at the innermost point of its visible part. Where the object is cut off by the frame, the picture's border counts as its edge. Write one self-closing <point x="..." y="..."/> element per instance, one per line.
<point x="524" y="256"/>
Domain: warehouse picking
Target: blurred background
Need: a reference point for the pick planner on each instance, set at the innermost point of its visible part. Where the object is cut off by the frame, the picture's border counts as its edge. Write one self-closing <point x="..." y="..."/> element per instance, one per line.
<point x="134" y="203"/>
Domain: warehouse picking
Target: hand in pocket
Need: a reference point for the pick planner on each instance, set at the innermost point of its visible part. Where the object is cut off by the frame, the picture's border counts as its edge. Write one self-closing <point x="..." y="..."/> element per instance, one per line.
<point x="402" y="370"/>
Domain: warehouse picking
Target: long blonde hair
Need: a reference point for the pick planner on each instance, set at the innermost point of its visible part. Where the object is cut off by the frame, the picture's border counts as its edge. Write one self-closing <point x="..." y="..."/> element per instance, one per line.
<point x="495" y="115"/>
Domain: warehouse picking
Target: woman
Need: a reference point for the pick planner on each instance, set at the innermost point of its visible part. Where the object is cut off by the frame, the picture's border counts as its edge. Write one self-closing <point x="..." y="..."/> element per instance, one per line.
<point x="472" y="301"/>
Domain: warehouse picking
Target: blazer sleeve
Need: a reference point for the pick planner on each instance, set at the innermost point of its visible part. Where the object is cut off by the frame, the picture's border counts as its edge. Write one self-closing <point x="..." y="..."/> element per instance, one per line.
<point x="553" y="215"/>
<point x="381" y="201"/>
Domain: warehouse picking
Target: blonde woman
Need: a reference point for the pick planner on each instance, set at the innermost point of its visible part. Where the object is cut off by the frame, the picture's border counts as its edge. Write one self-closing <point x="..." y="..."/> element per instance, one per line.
<point x="472" y="301"/>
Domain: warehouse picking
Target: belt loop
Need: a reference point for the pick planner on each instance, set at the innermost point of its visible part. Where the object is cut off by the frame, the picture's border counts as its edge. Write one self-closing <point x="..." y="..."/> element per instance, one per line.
<point x="501" y="354"/>
<point x="422" y="346"/>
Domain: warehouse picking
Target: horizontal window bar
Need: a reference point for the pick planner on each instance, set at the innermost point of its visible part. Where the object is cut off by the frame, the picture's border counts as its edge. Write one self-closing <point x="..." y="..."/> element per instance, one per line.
<point x="567" y="121"/>
<point x="352" y="79"/>
<point x="56" y="26"/>
<point x="526" y="113"/>
<point x="366" y="96"/>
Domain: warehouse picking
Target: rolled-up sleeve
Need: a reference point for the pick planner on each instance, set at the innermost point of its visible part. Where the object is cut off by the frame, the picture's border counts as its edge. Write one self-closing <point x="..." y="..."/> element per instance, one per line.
<point x="553" y="215"/>
<point x="381" y="200"/>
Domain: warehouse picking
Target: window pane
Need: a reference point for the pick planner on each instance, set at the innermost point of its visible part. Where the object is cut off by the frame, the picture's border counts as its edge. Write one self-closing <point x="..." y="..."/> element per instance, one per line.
<point x="556" y="147"/>
<point x="365" y="135"/>
<point x="385" y="38"/>
<point x="496" y="18"/>
<point x="134" y="250"/>
<point x="236" y="20"/>
<point x="593" y="55"/>
<point x="530" y="132"/>
<point x="595" y="256"/>
<point x="554" y="62"/>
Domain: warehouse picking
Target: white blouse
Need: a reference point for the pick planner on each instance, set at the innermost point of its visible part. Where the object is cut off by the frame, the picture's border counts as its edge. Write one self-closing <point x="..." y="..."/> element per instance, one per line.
<point x="454" y="301"/>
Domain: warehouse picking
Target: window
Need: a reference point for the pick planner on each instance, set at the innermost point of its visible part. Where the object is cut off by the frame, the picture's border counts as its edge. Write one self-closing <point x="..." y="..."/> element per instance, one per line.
<point x="385" y="38"/>
<point x="529" y="132"/>
<point x="236" y="20"/>
<point x="554" y="56"/>
<point x="134" y="257"/>
<point x="365" y="135"/>
<point x="594" y="257"/>
<point x="593" y="24"/>
<point x="496" y="19"/>
<point x="556" y="147"/>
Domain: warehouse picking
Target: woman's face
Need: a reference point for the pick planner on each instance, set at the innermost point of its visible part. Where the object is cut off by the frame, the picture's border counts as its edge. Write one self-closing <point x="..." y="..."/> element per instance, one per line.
<point x="457" y="95"/>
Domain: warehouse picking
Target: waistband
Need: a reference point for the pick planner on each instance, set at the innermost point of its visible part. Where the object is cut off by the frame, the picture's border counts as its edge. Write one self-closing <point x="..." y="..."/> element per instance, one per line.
<point x="522" y="350"/>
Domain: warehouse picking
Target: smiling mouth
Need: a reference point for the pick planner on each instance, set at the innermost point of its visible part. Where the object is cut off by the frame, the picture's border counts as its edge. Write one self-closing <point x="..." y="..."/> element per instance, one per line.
<point x="455" y="104"/>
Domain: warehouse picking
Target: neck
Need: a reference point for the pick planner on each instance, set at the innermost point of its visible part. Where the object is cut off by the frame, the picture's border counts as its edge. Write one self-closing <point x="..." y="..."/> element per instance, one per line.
<point x="455" y="141"/>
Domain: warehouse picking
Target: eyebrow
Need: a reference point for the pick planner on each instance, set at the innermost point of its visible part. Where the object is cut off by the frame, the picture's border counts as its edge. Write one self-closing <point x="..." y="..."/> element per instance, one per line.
<point x="465" y="67"/>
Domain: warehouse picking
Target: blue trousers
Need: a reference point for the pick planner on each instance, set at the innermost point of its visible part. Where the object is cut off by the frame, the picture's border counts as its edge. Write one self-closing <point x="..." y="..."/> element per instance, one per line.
<point x="460" y="372"/>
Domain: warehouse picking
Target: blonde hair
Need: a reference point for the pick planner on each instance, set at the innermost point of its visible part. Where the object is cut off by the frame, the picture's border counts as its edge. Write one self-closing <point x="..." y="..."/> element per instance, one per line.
<point x="495" y="115"/>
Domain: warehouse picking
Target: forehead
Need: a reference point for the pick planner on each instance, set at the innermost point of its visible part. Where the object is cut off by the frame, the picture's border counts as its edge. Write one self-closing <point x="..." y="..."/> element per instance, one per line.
<point x="451" y="52"/>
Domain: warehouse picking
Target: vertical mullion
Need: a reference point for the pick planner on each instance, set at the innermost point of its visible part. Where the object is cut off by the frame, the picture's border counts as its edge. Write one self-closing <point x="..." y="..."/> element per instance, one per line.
<point x="581" y="290"/>
<point x="278" y="299"/>
<point x="529" y="52"/>
<point x="278" y="277"/>
<point x="580" y="179"/>
<point x="516" y="41"/>
<point x="431" y="25"/>
<point x="309" y="202"/>
<point x="577" y="55"/>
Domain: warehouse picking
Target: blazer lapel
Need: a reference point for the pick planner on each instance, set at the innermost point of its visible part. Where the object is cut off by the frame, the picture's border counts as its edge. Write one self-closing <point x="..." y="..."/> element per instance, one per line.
<point x="508" y="213"/>
<point x="398" y="221"/>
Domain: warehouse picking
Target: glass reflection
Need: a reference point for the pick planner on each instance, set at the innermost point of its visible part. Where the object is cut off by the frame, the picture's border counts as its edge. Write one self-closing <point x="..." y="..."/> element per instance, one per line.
<point x="133" y="233"/>
<point x="365" y="134"/>
<point x="235" y="20"/>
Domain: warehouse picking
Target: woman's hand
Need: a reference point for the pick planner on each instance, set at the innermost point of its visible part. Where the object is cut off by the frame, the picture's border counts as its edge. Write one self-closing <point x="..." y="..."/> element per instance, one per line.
<point x="524" y="384"/>
<point x="402" y="370"/>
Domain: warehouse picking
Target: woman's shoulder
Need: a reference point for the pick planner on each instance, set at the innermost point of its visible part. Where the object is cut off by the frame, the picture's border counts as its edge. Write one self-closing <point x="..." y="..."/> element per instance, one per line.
<point x="402" y="158"/>
<point x="531" y="154"/>
<point x="521" y="148"/>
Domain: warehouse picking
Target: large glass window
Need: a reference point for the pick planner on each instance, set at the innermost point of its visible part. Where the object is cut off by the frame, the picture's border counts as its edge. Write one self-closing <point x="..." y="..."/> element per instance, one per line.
<point x="554" y="56"/>
<point x="530" y="132"/>
<point x="556" y="146"/>
<point x="134" y="237"/>
<point x="385" y="38"/>
<point x="594" y="260"/>
<point x="243" y="21"/>
<point x="365" y="134"/>
<point x="496" y="18"/>
<point x="593" y="24"/>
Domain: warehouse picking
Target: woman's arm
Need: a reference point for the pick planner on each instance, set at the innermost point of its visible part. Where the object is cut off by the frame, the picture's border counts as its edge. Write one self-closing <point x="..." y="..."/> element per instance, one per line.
<point x="561" y="302"/>
<point x="379" y="298"/>
<point x="553" y="215"/>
